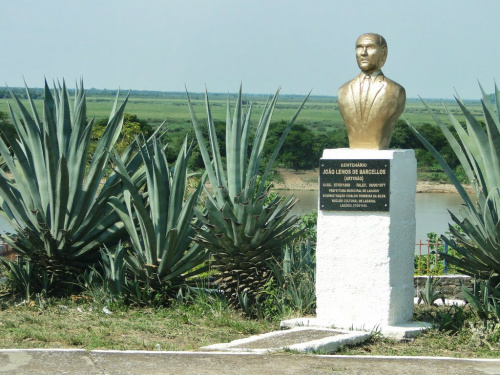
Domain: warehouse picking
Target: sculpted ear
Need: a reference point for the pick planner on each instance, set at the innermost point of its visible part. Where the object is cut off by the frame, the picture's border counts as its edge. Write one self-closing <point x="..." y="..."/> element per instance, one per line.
<point x="383" y="56"/>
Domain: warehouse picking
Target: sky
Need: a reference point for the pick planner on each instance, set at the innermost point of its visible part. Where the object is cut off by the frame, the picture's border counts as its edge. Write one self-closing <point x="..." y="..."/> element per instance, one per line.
<point x="435" y="46"/>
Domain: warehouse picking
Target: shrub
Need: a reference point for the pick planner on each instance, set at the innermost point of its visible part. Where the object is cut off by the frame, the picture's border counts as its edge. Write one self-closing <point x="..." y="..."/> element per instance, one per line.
<point x="242" y="226"/>
<point x="476" y="236"/>
<point x="55" y="197"/>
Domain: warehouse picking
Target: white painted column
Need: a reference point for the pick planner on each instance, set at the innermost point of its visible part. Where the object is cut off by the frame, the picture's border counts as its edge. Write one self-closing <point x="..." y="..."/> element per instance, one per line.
<point x="364" y="260"/>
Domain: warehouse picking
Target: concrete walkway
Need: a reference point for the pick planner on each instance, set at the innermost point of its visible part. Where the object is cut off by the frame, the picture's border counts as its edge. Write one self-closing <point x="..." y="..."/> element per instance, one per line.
<point x="73" y="362"/>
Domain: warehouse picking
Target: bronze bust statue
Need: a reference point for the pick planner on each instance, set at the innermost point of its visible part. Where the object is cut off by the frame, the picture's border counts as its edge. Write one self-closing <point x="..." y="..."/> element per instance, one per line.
<point x="371" y="103"/>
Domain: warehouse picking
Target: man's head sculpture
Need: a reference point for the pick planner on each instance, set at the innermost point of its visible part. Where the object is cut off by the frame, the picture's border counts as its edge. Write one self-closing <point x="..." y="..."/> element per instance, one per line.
<point x="371" y="103"/>
<point x="371" y="52"/>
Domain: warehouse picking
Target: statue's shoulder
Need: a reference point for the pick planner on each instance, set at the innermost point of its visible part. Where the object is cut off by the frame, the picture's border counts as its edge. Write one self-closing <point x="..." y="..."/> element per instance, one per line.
<point x="345" y="87"/>
<point x="394" y="85"/>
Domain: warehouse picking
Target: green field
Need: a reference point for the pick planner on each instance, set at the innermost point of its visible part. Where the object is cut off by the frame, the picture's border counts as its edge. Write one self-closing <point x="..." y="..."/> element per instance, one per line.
<point x="320" y="112"/>
<point x="319" y="125"/>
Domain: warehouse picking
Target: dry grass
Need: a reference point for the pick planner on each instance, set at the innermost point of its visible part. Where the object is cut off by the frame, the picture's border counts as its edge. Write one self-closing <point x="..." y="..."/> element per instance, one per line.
<point x="65" y="324"/>
<point x="68" y="324"/>
<point x="457" y="333"/>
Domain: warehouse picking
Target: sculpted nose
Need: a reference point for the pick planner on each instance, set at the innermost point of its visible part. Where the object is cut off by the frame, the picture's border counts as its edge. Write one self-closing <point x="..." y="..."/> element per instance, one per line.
<point x="364" y="52"/>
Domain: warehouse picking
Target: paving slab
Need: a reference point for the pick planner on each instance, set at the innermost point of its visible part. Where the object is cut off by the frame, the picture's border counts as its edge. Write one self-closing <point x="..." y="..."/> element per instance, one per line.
<point x="182" y="363"/>
<point x="46" y="361"/>
<point x="30" y="362"/>
<point x="302" y="339"/>
<point x="399" y="332"/>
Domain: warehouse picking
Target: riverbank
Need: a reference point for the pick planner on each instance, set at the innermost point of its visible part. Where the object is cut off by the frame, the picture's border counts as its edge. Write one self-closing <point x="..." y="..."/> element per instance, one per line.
<point x="308" y="180"/>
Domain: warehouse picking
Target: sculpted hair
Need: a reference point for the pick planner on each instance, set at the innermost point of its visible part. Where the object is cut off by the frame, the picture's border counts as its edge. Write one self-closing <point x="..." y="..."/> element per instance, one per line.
<point x="380" y="39"/>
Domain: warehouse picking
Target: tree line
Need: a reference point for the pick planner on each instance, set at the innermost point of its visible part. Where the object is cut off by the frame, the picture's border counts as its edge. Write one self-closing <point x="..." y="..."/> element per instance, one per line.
<point x="302" y="149"/>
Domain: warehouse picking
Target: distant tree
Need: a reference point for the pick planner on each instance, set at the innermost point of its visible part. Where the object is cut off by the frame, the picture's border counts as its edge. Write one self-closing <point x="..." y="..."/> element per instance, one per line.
<point x="297" y="151"/>
<point x="132" y="127"/>
<point x="404" y="138"/>
<point x="337" y="138"/>
<point x="6" y="127"/>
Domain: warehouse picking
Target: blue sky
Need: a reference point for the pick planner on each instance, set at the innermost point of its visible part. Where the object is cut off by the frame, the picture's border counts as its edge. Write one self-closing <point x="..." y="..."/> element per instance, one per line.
<point x="435" y="46"/>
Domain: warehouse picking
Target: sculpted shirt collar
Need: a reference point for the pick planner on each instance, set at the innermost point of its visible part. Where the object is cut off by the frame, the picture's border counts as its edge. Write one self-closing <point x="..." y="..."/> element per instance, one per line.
<point x="373" y="75"/>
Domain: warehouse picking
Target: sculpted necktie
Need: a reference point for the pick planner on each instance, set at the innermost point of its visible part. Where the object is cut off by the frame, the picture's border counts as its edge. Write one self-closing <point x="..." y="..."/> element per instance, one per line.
<point x="365" y="86"/>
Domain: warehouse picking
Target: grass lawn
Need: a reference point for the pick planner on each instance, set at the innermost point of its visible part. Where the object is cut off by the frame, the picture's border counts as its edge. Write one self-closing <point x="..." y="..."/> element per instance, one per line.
<point x="67" y="324"/>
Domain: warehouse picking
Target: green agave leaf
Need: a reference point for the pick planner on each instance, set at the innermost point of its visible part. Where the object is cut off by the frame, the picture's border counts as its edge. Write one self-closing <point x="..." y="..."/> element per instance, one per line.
<point x="64" y="128"/>
<point x="279" y="144"/>
<point x="214" y="144"/>
<point x="78" y="157"/>
<point x="29" y="152"/>
<point x="178" y="186"/>
<point x="233" y="152"/>
<point x="203" y="149"/>
<point x="52" y="165"/>
<point x="443" y="165"/>
<point x="260" y="139"/>
<point x="157" y="197"/>
<point x="490" y="215"/>
<point x="461" y="152"/>
<point x="127" y="218"/>
<point x="497" y="97"/>
<point x="170" y="252"/>
<point x="32" y="105"/>
<point x="244" y="148"/>
<point x="163" y="196"/>
<point x="158" y="243"/>
<point x="487" y="103"/>
<point x="494" y="147"/>
<point x="15" y="207"/>
<point x="8" y="215"/>
<point x="19" y="169"/>
<point x="97" y="168"/>
<point x="480" y="145"/>
<point x="185" y="217"/>
<point x="61" y="200"/>
<point x="194" y="255"/>
<point x="18" y="125"/>
<point x="215" y="216"/>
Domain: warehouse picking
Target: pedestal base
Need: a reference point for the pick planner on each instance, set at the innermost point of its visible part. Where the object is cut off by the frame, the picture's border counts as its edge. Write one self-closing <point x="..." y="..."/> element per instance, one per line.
<point x="399" y="332"/>
<point x="364" y="260"/>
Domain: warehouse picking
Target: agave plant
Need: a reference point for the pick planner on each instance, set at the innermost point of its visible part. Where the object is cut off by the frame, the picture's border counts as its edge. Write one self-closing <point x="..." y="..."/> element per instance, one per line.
<point x="484" y="299"/>
<point x="159" y="225"/>
<point x="477" y="234"/>
<point x="430" y="293"/>
<point x="53" y="197"/>
<point x="242" y="226"/>
<point x="294" y="291"/>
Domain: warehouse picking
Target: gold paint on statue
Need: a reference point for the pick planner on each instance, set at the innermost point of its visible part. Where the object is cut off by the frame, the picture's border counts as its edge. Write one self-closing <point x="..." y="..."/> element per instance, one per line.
<point x="371" y="103"/>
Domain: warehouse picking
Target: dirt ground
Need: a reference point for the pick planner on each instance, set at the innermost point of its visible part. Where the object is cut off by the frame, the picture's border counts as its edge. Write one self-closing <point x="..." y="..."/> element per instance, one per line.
<point x="308" y="180"/>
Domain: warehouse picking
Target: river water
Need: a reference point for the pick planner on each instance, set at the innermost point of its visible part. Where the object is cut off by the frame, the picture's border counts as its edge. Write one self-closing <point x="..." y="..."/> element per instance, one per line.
<point x="431" y="211"/>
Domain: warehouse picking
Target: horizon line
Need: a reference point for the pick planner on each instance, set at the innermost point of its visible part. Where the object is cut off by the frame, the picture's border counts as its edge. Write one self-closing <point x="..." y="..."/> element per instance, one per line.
<point x="114" y="91"/>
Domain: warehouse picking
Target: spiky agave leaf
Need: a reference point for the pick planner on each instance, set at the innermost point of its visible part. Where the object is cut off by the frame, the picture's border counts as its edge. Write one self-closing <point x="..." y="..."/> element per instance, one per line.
<point x="53" y="199"/>
<point x="242" y="227"/>
<point x="478" y="150"/>
<point x="159" y="225"/>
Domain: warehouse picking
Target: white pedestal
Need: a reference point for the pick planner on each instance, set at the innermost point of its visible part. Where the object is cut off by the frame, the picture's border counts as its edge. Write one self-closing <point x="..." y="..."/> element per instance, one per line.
<point x="364" y="260"/>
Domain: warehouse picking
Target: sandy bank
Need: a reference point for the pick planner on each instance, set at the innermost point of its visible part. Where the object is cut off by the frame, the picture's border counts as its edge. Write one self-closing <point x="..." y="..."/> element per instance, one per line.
<point x="308" y="180"/>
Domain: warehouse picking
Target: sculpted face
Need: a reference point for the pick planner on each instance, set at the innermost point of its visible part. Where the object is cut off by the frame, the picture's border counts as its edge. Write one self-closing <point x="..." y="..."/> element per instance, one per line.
<point x="370" y="54"/>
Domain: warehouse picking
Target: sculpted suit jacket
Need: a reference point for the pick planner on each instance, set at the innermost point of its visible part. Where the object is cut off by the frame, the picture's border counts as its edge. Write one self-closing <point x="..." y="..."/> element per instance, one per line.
<point x="370" y="116"/>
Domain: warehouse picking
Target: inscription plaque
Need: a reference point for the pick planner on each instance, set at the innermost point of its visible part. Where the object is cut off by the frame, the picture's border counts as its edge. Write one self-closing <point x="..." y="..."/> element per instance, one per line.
<point x="354" y="185"/>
